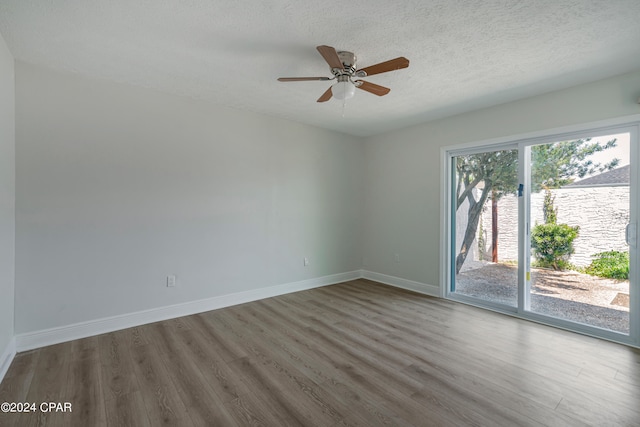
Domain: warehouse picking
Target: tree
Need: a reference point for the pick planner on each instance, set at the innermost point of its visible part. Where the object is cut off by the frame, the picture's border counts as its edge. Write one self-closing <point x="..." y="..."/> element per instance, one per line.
<point x="549" y="211"/>
<point x="495" y="173"/>
<point x="561" y="163"/>
<point x="491" y="173"/>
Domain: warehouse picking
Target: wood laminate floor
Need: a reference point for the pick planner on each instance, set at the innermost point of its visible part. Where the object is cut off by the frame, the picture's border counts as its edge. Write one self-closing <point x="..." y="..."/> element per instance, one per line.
<point x="357" y="353"/>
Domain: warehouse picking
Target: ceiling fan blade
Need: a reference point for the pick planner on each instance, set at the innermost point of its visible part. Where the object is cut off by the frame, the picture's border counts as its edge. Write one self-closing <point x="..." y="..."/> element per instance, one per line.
<point x="326" y="96"/>
<point x="331" y="56"/>
<point x="383" y="67"/>
<point x="302" y="79"/>
<point x="372" y="88"/>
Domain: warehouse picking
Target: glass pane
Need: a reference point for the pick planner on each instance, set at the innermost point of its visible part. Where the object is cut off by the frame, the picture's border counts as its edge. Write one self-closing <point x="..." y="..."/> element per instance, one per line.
<point x="579" y="210"/>
<point x="486" y="226"/>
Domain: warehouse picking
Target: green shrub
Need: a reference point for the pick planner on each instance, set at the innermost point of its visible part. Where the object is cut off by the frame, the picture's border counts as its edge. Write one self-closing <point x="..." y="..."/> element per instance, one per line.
<point x="553" y="244"/>
<point x="611" y="264"/>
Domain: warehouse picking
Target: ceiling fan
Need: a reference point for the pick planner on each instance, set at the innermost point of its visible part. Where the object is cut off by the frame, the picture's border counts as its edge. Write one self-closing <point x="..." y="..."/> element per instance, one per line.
<point x="343" y="68"/>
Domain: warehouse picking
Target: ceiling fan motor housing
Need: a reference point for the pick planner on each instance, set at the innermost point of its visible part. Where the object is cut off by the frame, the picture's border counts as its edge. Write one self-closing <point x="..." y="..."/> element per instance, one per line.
<point x="348" y="60"/>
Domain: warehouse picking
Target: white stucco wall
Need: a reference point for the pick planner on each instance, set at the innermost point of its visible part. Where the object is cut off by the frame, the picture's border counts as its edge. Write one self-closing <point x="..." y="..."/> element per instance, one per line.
<point x="602" y="214"/>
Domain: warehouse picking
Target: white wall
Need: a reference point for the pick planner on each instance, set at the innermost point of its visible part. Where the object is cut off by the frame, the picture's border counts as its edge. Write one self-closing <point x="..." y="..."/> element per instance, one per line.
<point x="402" y="168"/>
<point x="7" y="198"/>
<point x="118" y="187"/>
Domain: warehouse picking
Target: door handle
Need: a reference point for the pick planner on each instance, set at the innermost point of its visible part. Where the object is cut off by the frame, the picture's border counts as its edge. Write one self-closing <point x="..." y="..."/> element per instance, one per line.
<point x="630" y="235"/>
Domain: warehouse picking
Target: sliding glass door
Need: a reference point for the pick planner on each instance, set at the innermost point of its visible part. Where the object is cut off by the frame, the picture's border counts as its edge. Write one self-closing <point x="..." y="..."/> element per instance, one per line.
<point x="579" y="211"/>
<point x="483" y="269"/>
<point x="546" y="229"/>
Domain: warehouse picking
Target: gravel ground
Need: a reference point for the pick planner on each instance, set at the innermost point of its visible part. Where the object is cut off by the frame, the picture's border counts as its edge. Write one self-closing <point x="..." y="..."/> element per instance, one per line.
<point x="564" y="294"/>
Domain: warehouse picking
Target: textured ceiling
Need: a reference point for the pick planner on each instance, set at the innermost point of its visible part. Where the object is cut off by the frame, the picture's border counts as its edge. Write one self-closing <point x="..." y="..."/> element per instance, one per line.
<point x="464" y="54"/>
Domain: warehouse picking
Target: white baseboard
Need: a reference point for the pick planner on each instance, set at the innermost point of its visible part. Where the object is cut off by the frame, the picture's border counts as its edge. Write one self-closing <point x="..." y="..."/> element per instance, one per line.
<point x="398" y="282"/>
<point x="42" y="338"/>
<point x="31" y="340"/>
<point x="7" y="357"/>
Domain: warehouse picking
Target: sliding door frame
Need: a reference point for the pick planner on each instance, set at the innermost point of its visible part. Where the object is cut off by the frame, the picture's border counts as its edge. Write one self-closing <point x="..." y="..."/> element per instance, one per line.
<point x="523" y="143"/>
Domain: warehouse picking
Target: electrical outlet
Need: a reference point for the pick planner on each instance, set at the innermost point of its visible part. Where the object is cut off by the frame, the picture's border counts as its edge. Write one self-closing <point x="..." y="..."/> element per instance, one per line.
<point x="306" y="261"/>
<point x="171" y="281"/>
<point x="396" y="257"/>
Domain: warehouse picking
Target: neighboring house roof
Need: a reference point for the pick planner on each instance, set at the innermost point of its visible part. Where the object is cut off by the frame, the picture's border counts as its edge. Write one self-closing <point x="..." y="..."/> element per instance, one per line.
<point x="616" y="177"/>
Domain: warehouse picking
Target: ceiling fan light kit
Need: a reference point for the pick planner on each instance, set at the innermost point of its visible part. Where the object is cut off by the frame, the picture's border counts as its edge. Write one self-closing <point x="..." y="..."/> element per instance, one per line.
<point x="344" y="89"/>
<point x="343" y="67"/>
